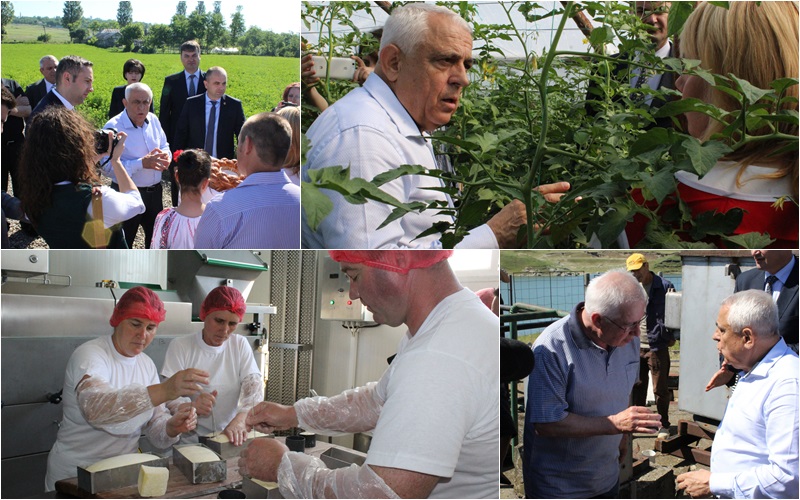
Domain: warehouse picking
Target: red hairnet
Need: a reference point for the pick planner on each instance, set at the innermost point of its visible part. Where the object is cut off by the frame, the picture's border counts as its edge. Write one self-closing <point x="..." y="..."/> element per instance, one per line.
<point x="138" y="302"/>
<point x="223" y="298"/>
<point x="389" y="260"/>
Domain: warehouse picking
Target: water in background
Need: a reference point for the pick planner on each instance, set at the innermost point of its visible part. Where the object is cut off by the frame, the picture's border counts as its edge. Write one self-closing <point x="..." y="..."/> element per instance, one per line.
<point x="554" y="292"/>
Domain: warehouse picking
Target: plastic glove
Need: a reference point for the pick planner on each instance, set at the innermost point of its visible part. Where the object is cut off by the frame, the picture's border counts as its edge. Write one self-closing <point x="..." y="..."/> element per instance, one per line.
<point x="251" y="393"/>
<point x="156" y="429"/>
<point x="304" y="476"/>
<point x="103" y="406"/>
<point x="354" y="410"/>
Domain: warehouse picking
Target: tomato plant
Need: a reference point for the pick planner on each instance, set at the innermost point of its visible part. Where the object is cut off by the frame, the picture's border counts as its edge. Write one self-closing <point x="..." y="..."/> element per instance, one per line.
<point x="528" y="120"/>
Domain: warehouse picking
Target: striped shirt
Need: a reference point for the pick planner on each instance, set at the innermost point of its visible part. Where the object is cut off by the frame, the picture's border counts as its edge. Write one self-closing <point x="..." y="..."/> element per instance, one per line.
<point x="572" y="374"/>
<point x="262" y="212"/>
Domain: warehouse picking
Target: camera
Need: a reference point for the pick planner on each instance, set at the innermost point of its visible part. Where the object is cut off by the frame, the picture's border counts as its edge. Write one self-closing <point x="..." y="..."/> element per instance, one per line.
<point x="101" y="140"/>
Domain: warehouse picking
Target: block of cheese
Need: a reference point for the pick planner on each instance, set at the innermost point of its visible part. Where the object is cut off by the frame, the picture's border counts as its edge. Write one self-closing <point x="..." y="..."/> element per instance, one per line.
<point x="222" y="438"/>
<point x="264" y="484"/>
<point x="198" y="454"/>
<point x="153" y="481"/>
<point x="121" y="461"/>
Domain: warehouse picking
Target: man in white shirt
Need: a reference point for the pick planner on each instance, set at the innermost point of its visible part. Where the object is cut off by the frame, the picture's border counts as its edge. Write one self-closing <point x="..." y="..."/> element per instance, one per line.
<point x="425" y="54"/>
<point x="433" y="413"/>
<point x="146" y="155"/>
<point x="755" y="449"/>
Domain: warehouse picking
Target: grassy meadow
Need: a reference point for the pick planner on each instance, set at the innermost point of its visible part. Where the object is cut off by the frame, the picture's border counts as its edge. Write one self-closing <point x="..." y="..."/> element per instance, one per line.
<point x="256" y="80"/>
<point x="16" y="33"/>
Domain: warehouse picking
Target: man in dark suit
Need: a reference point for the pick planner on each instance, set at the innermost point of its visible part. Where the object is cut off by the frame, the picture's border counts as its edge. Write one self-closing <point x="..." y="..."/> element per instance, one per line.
<point x="37" y="90"/>
<point x="776" y="272"/>
<point x="13" y="134"/>
<point x="74" y="79"/>
<point x="178" y="88"/>
<point x="656" y="15"/>
<point x="213" y="120"/>
<point x="780" y="269"/>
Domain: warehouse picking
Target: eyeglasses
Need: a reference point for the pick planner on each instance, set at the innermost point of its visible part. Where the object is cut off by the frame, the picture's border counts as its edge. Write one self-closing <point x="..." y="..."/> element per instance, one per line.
<point x="628" y="327"/>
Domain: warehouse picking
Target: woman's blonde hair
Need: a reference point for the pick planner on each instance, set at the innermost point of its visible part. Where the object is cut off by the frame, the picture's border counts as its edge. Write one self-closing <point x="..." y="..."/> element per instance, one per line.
<point x="757" y="42"/>
<point x="292" y="115"/>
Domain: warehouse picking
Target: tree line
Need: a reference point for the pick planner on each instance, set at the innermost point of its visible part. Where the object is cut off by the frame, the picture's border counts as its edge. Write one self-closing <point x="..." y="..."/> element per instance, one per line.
<point x="208" y="28"/>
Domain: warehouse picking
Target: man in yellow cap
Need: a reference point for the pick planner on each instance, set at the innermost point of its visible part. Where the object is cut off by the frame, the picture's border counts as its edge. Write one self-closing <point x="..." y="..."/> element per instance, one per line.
<point x="655" y="340"/>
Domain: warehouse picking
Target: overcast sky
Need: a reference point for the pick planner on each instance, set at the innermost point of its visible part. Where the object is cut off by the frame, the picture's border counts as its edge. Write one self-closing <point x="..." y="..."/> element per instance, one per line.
<point x="278" y="16"/>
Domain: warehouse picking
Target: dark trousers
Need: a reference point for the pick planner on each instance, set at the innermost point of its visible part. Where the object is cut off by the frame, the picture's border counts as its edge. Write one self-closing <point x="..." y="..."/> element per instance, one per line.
<point x="657" y="363"/>
<point x="152" y="196"/>
<point x="9" y="159"/>
<point x="612" y="493"/>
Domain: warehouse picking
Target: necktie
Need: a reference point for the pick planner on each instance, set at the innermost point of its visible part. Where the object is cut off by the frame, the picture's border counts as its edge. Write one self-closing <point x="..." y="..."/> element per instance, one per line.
<point x="212" y="117"/>
<point x="769" y="282"/>
<point x="192" y="87"/>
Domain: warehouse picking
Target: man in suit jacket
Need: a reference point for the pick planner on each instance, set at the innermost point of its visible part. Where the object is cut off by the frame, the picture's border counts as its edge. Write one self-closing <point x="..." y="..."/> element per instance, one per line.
<point x="177" y="88"/>
<point x="655" y="14"/>
<point x="211" y="121"/>
<point x="74" y="79"/>
<point x="781" y="264"/>
<point x="37" y="90"/>
<point x="780" y="269"/>
<point x="13" y="134"/>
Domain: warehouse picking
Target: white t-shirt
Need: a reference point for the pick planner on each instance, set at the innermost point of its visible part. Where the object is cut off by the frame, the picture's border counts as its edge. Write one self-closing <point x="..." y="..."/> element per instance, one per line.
<point x="442" y="396"/>
<point x="173" y="230"/>
<point x="228" y="365"/>
<point x="78" y="443"/>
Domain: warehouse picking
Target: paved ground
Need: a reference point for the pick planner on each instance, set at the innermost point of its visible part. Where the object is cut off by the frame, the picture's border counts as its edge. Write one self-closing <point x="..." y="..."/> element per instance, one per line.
<point x="19" y="239"/>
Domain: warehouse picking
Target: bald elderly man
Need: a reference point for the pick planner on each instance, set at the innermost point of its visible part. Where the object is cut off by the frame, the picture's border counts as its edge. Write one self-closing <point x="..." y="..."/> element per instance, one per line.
<point x="433" y="413"/>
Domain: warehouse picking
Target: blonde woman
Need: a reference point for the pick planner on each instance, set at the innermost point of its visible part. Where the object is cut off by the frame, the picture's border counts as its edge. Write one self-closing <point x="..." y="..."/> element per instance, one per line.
<point x="292" y="164"/>
<point x="757" y="42"/>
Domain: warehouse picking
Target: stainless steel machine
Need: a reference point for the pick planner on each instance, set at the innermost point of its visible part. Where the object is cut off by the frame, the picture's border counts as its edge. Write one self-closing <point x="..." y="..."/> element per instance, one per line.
<point x="47" y="312"/>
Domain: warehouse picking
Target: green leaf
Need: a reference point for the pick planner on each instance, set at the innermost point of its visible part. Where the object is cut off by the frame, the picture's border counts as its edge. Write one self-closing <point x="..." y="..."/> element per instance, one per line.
<point x="487" y="142"/>
<point x="473" y="214"/>
<point x="655" y="138"/>
<point x="661" y="184"/>
<point x="673" y="108"/>
<point x="751" y="240"/>
<point x="751" y="92"/>
<point x="716" y="224"/>
<point x="600" y="36"/>
<point x="316" y="205"/>
<point x="678" y="13"/>
<point x="781" y="84"/>
<point x="704" y="156"/>
<point x="724" y="5"/>
<point x="613" y="223"/>
<point x="400" y="171"/>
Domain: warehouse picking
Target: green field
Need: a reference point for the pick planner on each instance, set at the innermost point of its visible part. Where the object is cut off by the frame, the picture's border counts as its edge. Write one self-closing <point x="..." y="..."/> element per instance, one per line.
<point x="29" y="32"/>
<point x="583" y="261"/>
<point x="257" y="81"/>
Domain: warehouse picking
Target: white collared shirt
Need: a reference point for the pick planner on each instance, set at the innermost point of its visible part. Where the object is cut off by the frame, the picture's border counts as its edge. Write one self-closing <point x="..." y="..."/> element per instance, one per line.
<point x="48" y="86"/>
<point x="370" y="131"/>
<point x="63" y="100"/>
<point x="755" y="451"/>
<point x="140" y="141"/>
<point x="213" y="151"/>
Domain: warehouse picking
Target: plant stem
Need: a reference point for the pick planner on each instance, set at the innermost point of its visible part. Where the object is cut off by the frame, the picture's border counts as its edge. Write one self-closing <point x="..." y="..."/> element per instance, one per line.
<point x="536" y="164"/>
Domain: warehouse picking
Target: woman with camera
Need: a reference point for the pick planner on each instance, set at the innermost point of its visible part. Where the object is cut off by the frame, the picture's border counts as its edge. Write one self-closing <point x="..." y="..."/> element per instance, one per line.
<point x="61" y="190"/>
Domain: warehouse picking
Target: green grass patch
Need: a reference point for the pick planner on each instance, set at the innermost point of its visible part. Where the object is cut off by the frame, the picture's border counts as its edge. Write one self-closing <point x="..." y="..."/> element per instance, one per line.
<point x="582" y="261"/>
<point x="28" y="33"/>
<point x="257" y="80"/>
